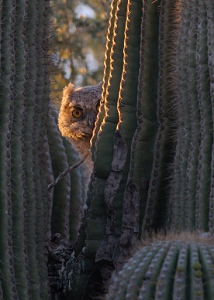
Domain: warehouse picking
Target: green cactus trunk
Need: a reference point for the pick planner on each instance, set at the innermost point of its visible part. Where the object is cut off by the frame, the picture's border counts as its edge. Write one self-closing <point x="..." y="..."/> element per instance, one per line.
<point x="152" y="149"/>
<point x="158" y="193"/>
<point x="153" y="142"/>
<point x="68" y="195"/>
<point x="192" y="189"/>
<point x="114" y="194"/>
<point x="24" y="107"/>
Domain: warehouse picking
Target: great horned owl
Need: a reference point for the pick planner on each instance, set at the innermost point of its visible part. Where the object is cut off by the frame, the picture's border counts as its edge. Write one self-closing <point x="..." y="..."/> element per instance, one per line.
<point x="77" y="115"/>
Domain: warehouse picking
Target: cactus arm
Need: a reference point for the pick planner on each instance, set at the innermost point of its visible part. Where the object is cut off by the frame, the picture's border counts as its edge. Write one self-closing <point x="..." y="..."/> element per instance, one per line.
<point x="164" y="142"/>
<point x="115" y="185"/>
<point x="104" y="143"/>
<point x="143" y="140"/>
<point x="180" y="277"/>
<point x="138" y="272"/>
<point x="61" y="199"/>
<point x="183" y="144"/>
<point x="196" y="284"/>
<point x="165" y="278"/>
<point x="208" y="268"/>
<point x="206" y="125"/>
<point x="45" y="158"/>
<point x="192" y="162"/>
<point x="77" y="193"/>
<point x="107" y="68"/>
<point x="178" y="193"/>
<point x="109" y="45"/>
<point x="0" y="33"/>
<point x="175" y="267"/>
<point x="77" y="179"/>
<point x="210" y="32"/>
<point x="23" y="185"/>
<point x="148" y="286"/>
<point x="191" y="186"/>
<point x="119" y="289"/>
<point x="108" y="125"/>
<point x="6" y="116"/>
<point x="17" y="156"/>
<point x="30" y="166"/>
<point x="39" y="134"/>
<point x="50" y="178"/>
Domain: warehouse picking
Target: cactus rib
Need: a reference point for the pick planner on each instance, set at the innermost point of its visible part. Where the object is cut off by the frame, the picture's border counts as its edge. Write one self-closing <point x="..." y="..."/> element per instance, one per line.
<point x="165" y="140"/>
<point x="175" y="266"/>
<point x="210" y="32"/>
<point x="61" y="197"/>
<point x="182" y="147"/>
<point x="206" y="123"/>
<point x="6" y="118"/>
<point x="192" y="161"/>
<point x="143" y="139"/>
<point x="18" y="156"/>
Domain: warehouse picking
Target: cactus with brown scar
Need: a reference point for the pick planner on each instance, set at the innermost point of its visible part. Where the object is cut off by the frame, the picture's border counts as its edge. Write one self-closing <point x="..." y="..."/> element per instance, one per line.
<point x="152" y="150"/>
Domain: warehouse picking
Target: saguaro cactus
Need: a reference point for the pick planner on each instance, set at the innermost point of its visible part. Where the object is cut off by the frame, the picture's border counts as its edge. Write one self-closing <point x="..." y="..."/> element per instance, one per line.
<point x="157" y="141"/>
<point x="23" y="187"/>
<point x="115" y="194"/>
<point x="191" y="200"/>
<point x="32" y="154"/>
<point x="152" y="149"/>
<point x="180" y="267"/>
<point x="69" y="194"/>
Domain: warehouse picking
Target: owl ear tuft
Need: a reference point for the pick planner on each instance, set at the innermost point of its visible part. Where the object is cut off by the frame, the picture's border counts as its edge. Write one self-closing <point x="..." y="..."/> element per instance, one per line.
<point x="64" y="113"/>
<point x="67" y="94"/>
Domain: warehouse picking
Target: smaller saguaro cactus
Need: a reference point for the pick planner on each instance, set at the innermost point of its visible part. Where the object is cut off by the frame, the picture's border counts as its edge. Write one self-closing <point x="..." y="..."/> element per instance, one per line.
<point x="24" y="90"/>
<point x="68" y="194"/>
<point x="178" y="267"/>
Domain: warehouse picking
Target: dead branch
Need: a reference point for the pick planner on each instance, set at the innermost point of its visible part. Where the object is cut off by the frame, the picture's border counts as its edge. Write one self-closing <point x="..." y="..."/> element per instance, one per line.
<point x="61" y="175"/>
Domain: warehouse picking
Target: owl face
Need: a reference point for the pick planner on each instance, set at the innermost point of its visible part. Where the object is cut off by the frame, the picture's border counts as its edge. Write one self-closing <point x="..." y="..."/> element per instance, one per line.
<point x="78" y="111"/>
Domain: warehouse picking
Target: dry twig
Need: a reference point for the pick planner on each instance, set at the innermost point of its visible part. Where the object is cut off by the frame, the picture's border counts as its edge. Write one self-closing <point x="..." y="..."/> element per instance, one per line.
<point x="61" y="175"/>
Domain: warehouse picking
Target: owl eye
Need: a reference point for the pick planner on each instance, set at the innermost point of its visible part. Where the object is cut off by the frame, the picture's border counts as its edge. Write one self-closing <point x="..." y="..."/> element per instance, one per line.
<point x="77" y="113"/>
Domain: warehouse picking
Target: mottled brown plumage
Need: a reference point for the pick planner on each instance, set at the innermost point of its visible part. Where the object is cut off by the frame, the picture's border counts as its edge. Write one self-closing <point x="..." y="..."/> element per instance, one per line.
<point x="77" y="115"/>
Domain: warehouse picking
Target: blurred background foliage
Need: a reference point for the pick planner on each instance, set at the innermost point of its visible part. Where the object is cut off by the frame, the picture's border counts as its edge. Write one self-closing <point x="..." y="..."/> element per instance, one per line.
<point x="78" y="41"/>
